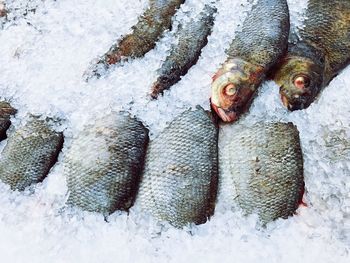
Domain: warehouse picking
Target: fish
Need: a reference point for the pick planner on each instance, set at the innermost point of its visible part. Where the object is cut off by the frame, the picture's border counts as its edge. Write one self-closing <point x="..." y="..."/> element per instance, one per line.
<point x="259" y="45"/>
<point x="192" y="38"/>
<point x="6" y="112"/>
<point x="148" y="30"/>
<point x="31" y="150"/>
<point x="261" y="169"/>
<point x="179" y="183"/>
<point x="104" y="163"/>
<point x="321" y="52"/>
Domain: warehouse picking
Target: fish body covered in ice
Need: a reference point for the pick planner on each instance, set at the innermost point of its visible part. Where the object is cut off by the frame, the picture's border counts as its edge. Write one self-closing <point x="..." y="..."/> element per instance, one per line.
<point x="6" y="111"/>
<point x="255" y="49"/>
<point x="148" y="30"/>
<point x="261" y="167"/>
<point x="29" y="154"/>
<point x="104" y="163"/>
<point x="179" y="183"/>
<point x="192" y="37"/>
<point x="322" y="51"/>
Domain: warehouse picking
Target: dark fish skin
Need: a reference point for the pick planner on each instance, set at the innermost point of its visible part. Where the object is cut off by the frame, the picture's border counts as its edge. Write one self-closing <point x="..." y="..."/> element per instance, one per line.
<point x="29" y="154"/>
<point x="104" y="164"/>
<point x="149" y="28"/>
<point x="263" y="165"/>
<point x="192" y="37"/>
<point x="179" y="184"/>
<point x="6" y="111"/>
<point x="254" y="50"/>
<point x="321" y="53"/>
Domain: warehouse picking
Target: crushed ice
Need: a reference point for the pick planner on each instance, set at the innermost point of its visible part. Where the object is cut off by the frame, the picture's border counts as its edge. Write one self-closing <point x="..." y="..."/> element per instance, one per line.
<point x="43" y="55"/>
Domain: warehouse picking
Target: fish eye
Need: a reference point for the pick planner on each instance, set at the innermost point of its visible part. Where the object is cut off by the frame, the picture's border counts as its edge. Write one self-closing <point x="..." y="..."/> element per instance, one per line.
<point x="301" y="82"/>
<point x="230" y="90"/>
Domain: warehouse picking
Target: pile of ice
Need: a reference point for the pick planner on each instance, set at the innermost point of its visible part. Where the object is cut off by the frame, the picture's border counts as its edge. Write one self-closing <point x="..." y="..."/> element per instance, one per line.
<point x="43" y="56"/>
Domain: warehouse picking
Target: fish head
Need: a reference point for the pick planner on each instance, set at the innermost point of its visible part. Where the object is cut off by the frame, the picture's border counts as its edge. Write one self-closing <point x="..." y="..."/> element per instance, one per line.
<point x="300" y="80"/>
<point x="233" y="88"/>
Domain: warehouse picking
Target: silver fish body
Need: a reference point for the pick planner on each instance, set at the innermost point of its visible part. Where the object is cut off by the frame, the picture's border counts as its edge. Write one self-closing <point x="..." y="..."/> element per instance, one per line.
<point x="104" y="164"/>
<point x="179" y="183"/>
<point x="192" y="38"/>
<point x="261" y="167"/>
<point x="29" y="154"/>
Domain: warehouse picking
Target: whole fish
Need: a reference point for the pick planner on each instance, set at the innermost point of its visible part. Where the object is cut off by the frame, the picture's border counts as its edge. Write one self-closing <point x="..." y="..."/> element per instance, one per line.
<point x="179" y="184"/>
<point x="104" y="164"/>
<point x="29" y="154"/>
<point x="149" y="28"/>
<point x="262" y="167"/>
<point x="321" y="53"/>
<point x="6" y="111"/>
<point x="255" y="49"/>
<point x="192" y="37"/>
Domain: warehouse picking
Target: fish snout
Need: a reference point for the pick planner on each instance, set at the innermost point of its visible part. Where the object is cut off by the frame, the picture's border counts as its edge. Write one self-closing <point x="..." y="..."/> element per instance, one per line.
<point x="225" y="115"/>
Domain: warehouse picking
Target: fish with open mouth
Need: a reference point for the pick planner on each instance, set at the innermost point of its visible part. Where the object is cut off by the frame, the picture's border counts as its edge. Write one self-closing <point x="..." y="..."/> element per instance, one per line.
<point x="192" y="37"/>
<point x="322" y="51"/>
<point x="149" y="28"/>
<point x="179" y="183"/>
<point x="261" y="168"/>
<point x="104" y="164"/>
<point x="255" y="49"/>
<point x="31" y="150"/>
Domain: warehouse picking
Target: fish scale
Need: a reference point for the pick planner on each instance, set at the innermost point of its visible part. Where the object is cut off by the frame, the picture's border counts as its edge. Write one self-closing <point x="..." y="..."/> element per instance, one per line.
<point x="262" y="39"/>
<point x="180" y="178"/>
<point x="263" y="166"/>
<point x="29" y="154"/>
<point x="104" y="163"/>
<point x="328" y="28"/>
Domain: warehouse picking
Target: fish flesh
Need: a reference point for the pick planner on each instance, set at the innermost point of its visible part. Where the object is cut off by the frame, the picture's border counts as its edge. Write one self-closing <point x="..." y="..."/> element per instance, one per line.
<point x="192" y="37"/>
<point x="149" y="28"/>
<point x="179" y="184"/>
<point x="261" y="167"/>
<point x="6" y="111"/>
<point x="322" y="51"/>
<point x="255" y="49"/>
<point x="104" y="164"/>
<point x="29" y="154"/>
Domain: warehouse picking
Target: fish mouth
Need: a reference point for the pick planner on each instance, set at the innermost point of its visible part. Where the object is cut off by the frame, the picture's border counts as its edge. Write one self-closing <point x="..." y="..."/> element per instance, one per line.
<point x="291" y="106"/>
<point x="225" y="115"/>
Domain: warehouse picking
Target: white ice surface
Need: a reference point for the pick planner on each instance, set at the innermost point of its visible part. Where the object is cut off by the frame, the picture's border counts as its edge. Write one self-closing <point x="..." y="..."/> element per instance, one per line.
<point x="42" y="59"/>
